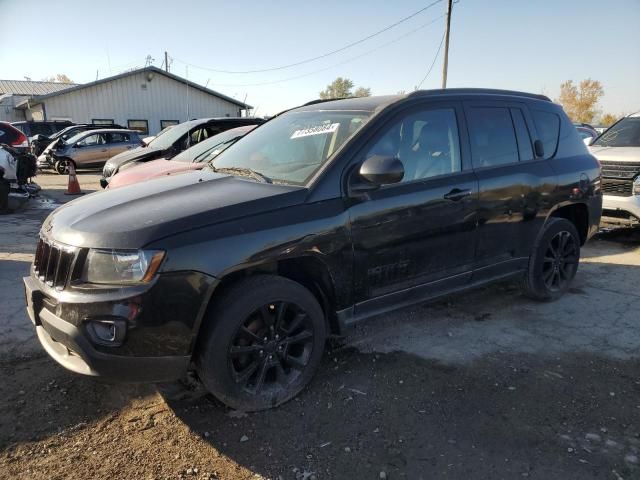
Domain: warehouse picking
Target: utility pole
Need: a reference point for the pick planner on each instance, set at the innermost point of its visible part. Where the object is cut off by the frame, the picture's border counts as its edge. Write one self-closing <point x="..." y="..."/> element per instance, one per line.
<point x="445" y="65"/>
<point x="166" y="61"/>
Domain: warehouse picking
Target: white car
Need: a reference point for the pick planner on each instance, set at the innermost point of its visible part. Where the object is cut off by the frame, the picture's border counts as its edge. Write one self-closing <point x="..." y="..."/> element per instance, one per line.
<point x="618" y="150"/>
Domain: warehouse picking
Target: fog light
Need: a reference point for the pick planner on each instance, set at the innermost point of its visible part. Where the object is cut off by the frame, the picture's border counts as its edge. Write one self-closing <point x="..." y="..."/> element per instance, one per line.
<point x="107" y="331"/>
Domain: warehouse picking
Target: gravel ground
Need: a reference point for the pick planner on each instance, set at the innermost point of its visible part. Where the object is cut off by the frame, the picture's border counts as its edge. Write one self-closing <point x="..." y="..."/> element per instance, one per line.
<point x="484" y="385"/>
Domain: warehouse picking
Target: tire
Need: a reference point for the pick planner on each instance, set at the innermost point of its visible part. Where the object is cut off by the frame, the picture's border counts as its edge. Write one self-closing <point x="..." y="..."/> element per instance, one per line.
<point x="261" y="344"/>
<point x="62" y="166"/>
<point x="554" y="261"/>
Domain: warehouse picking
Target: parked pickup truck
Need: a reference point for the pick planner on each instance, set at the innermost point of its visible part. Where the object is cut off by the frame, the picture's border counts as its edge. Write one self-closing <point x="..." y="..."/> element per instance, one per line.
<point x="321" y="217"/>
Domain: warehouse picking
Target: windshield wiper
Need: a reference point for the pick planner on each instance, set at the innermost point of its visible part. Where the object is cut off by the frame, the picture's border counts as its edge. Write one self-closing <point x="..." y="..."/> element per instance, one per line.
<point x="242" y="171"/>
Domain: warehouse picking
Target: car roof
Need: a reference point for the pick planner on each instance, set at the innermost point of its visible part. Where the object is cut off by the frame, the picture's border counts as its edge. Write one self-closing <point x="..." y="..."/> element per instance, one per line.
<point x="109" y="130"/>
<point x="378" y="102"/>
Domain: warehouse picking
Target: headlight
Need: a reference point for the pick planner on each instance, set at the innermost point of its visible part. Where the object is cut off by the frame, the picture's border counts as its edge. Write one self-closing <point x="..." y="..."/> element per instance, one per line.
<point x="121" y="266"/>
<point x="636" y="186"/>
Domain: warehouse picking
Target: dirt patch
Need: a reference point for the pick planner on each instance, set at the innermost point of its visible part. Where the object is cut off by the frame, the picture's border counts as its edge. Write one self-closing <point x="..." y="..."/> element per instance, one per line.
<point x="504" y="417"/>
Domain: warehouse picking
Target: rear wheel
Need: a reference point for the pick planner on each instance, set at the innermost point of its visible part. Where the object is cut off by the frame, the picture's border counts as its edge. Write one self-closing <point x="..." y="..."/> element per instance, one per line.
<point x="554" y="261"/>
<point x="262" y="344"/>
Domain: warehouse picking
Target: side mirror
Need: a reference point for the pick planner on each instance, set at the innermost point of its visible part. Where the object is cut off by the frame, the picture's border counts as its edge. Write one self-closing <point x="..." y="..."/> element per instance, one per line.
<point x="538" y="147"/>
<point x="376" y="171"/>
<point x="588" y="141"/>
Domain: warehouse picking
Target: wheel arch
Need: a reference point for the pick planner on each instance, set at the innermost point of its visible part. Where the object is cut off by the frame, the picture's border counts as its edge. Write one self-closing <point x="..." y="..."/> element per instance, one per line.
<point x="309" y="271"/>
<point x="576" y="213"/>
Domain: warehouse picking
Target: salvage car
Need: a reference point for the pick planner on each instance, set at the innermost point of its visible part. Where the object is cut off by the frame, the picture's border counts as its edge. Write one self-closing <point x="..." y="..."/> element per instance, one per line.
<point x="92" y="148"/>
<point x="618" y="150"/>
<point x="324" y="216"/>
<point x="42" y="144"/>
<point x="194" y="158"/>
<point x="32" y="128"/>
<point x="172" y="141"/>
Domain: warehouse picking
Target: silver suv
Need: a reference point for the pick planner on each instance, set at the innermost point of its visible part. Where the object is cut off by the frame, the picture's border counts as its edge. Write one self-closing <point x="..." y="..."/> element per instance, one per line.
<point x="618" y="150"/>
<point x="93" y="148"/>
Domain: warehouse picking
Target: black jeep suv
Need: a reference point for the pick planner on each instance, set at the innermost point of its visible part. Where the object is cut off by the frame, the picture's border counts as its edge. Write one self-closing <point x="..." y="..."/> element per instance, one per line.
<point x="325" y="215"/>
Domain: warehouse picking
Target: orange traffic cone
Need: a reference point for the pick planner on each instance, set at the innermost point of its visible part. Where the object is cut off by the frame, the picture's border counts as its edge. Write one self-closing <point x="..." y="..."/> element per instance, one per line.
<point x="73" y="187"/>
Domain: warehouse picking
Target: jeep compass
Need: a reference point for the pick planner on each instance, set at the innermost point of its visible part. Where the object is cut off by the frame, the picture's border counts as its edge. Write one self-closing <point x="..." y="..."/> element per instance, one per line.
<point x="323" y="216"/>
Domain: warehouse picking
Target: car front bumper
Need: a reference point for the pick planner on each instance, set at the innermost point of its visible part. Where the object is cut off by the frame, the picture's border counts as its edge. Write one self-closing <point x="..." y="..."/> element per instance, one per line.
<point x="622" y="211"/>
<point x="157" y="347"/>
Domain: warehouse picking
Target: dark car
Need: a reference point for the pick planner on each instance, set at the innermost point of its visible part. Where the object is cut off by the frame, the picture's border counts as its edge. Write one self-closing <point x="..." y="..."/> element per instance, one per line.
<point x="324" y="216"/>
<point x="32" y="128"/>
<point x="173" y="141"/>
<point x="13" y="137"/>
<point x="40" y="142"/>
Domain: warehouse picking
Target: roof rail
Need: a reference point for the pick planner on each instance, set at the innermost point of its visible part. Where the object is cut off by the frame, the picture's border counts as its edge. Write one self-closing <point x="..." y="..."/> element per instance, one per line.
<point x="322" y="100"/>
<point x="474" y="91"/>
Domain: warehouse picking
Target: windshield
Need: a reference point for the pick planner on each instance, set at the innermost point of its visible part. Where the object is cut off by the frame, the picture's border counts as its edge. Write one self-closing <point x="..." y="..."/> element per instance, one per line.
<point x="75" y="138"/>
<point x="212" y="147"/>
<point x="292" y="147"/>
<point x="625" y="133"/>
<point x="168" y="137"/>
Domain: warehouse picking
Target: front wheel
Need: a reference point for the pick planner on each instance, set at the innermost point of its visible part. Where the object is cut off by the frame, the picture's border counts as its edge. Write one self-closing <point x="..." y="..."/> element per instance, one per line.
<point x="554" y="261"/>
<point x="62" y="166"/>
<point x="262" y="343"/>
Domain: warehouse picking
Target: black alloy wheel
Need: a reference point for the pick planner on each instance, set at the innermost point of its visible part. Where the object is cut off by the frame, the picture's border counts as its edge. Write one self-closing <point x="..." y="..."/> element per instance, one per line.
<point x="554" y="260"/>
<point x="261" y="342"/>
<point x="271" y="348"/>
<point x="560" y="261"/>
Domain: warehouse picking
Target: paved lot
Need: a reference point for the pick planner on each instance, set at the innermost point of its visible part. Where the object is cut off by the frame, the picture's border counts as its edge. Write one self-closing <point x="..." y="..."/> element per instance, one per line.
<point x="483" y="385"/>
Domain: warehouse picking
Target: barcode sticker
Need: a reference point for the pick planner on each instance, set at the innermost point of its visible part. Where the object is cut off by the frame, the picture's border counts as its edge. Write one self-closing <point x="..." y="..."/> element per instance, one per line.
<point x="318" y="130"/>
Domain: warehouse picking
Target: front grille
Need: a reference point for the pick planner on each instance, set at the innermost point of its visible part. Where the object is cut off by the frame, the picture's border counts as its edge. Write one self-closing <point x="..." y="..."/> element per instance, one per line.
<point x="620" y="170"/>
<point x="617" y="177"/>
<point x="619" y="188"/>
<point x="53" y="263"/>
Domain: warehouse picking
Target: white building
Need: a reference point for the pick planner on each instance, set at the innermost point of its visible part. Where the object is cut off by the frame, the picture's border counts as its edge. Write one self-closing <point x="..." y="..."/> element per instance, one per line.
<point x="147" y="99"/>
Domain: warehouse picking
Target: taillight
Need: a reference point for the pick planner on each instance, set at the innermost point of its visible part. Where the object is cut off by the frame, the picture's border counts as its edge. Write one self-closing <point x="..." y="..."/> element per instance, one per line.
<point x="21" y="141"/>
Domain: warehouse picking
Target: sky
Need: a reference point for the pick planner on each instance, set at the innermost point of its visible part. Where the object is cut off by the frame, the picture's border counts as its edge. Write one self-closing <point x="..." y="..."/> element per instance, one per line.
<point x="514" y="44"/>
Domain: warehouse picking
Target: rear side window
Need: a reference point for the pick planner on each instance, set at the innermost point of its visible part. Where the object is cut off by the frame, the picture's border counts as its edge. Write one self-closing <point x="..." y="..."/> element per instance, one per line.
<point x="493" y="138"/>
<point x="118" y="137"/>
<point x="522" y="133"/>
<point x="548" y="126"/>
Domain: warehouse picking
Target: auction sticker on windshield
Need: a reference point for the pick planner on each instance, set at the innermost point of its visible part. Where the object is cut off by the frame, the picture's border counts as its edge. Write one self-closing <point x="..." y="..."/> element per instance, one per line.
<point x="318" y="130"/>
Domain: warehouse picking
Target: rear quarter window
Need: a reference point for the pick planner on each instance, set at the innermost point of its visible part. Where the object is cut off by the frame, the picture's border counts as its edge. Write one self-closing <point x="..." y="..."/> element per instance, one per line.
<point x="548" y="127"/>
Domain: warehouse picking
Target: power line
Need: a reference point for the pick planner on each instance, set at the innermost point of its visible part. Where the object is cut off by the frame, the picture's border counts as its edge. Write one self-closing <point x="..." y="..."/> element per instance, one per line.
<point x="282" y="80"/>
<point x="432" y="63"/>
<point x="324" y="55"/>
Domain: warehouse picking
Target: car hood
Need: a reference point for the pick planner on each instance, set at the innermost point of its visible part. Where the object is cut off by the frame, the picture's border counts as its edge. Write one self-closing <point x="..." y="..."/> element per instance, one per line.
<point x="135" y="215"/>
<point x="154" y="168"/>
<point x="616" y="154"/>
<point x="137" y="154"/>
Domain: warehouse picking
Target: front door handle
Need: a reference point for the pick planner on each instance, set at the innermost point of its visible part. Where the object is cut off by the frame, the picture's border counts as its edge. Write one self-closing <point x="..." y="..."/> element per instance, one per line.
<point x="457" y="194"/>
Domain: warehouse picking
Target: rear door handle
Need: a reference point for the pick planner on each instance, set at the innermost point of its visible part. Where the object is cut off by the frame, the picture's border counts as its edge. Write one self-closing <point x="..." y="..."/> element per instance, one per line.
<point x="457" y="194"/>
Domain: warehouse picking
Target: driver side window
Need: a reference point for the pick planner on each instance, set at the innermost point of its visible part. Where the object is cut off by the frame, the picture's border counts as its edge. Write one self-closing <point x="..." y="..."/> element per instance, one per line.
<point x="91" y="140"/>
<point x="426" y="142"/>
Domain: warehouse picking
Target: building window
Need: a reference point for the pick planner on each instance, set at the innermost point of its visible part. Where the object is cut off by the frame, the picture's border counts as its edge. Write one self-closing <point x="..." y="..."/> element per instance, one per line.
<point x="168" y="123"/>
<point x="140" y="125"/>
<point x="102" y="121"/>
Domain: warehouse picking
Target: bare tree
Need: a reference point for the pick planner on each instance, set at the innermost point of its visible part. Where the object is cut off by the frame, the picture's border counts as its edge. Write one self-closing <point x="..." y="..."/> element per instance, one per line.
<point x="580" y="101"/>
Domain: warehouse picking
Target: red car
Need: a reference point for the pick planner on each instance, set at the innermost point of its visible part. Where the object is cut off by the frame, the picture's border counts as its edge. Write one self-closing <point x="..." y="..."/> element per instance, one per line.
<point x="194" y="158"/>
